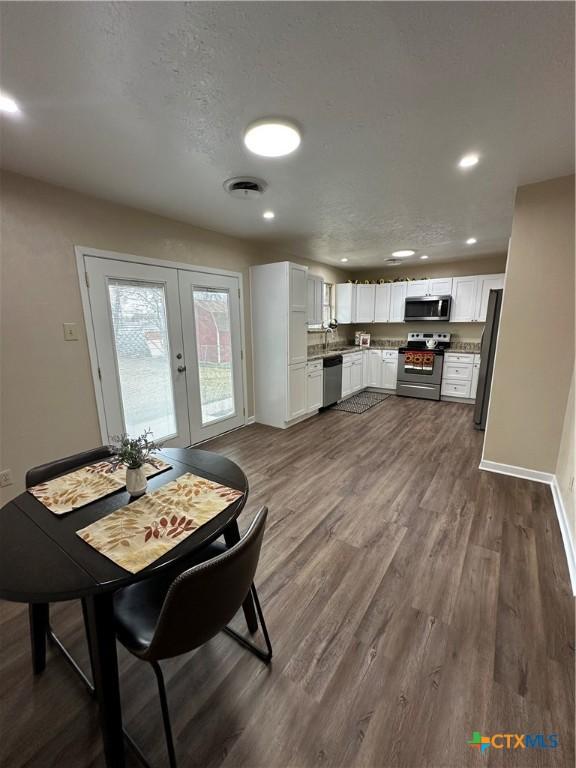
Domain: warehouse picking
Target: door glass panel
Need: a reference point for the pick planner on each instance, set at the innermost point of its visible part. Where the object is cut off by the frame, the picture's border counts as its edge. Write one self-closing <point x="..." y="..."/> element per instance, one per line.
<point x="214" y="350"/>
<point x="143" y="356"/>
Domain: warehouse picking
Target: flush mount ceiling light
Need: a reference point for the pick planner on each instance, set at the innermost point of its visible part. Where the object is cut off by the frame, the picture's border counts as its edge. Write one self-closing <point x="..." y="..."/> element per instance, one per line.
<point x="403" y="254"/>
<point x="343" y="261"/>
<point x="471" y="241"/>
<point x="268" y="215"/>
<point x="272" y="138"/>
<point x="469" y="161"/>
<point x="424" y="256"/>
<point x="8" y="105"/>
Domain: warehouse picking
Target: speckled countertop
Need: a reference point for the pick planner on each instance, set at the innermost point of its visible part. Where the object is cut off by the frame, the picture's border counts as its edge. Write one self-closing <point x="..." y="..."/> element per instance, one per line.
<point x="316" y="351"/>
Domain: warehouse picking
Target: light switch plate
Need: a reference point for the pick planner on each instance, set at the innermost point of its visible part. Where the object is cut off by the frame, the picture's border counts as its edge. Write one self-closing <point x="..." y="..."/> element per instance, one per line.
<point x="71" y="331"/>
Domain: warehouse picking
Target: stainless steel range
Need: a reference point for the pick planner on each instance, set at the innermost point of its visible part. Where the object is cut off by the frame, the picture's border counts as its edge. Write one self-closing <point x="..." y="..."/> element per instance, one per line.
<point x="420" y="365"/>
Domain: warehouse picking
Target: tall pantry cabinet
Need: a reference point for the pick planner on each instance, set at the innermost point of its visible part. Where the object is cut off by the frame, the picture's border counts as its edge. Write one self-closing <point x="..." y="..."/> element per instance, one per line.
<point x="279" y="337"/>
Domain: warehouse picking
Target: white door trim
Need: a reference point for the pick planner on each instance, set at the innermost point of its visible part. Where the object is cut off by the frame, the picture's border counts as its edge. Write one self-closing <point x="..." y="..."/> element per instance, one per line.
<point x="82" y="251"/>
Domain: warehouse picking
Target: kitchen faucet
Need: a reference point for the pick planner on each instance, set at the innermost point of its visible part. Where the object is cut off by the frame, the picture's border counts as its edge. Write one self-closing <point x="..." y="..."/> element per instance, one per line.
<point x="326" y="330"/>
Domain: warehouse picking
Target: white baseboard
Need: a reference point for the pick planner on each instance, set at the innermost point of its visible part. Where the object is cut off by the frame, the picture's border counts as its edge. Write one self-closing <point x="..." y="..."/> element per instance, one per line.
<point x="565" y="530"/>
<point x="522" y="472"/>
<point x="250" y="420"/>
<point x="563" y="522"/>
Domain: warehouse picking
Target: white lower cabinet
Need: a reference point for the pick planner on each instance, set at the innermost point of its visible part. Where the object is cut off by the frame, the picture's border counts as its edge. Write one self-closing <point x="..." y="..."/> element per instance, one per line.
<point x="458" y="375"/>
<point x="296" y="391"/>
<point x="356" y="375"/>
<point x="374" y="368"/>
<point x="314" y="386"/>
<point x="389" y="369"/>
<point x="346" y="377"/>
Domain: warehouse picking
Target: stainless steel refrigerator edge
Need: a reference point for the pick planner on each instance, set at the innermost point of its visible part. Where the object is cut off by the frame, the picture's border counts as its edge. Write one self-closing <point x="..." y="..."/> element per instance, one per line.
<point x="487" y="353"/>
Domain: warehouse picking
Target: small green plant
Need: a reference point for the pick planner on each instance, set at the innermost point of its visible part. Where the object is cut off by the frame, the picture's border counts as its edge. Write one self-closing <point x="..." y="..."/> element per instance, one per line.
<point x="136" y="451"/>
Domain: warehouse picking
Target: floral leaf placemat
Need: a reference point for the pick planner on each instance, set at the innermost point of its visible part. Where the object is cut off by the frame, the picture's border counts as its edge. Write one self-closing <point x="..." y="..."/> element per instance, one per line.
<point x="85" y="485"/>
<point x="141" y="532"/>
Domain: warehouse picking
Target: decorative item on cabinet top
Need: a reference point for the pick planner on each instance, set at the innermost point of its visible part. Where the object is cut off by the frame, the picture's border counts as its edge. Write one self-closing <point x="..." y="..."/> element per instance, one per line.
<point x="383" y="280"/>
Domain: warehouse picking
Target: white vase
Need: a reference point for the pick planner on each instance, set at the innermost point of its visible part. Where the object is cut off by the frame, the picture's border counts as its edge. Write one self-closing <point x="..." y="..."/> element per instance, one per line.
<point x="136" y="481"/>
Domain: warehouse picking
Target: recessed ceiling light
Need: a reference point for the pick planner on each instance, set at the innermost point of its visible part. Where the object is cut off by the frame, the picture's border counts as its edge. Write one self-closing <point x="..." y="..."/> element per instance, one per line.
<point x="343" y="261"/>
<point x="268" y="215"/>
<point x="272" y="138"/>
<point x="469" y="161"/>
<point x="471" y="241"/>
<point x="8" y="105"/>
<point x="424" y="256"/>
<point x="403" y="254"/>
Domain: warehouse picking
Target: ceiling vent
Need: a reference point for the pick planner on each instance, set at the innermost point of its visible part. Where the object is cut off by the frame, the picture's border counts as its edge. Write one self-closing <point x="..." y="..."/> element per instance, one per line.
<point x="393" y="262"/>
<point x="245" y="187"/>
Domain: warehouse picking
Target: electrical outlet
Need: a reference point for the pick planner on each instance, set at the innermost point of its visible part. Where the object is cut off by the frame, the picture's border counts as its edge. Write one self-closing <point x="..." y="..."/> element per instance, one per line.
<point x="70" y="331"/>
<point x="5" y="478"/>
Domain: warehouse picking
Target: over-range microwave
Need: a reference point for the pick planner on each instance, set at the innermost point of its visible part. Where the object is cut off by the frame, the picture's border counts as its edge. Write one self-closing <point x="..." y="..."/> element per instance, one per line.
<point x="427" y="308"/>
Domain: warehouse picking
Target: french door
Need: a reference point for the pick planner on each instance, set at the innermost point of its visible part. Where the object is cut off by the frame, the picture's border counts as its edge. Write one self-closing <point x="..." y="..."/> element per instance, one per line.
<point x="168" y="348"/>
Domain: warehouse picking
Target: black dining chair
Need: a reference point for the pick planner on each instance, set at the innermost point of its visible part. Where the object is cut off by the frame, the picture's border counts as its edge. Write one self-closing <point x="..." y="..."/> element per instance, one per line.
<point x="163" y="617"/>
<point x="39" y="613"/>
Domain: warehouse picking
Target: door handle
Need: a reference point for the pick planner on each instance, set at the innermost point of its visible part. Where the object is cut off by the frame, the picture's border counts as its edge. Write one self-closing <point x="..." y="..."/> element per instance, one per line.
<point x="181" y="368"/>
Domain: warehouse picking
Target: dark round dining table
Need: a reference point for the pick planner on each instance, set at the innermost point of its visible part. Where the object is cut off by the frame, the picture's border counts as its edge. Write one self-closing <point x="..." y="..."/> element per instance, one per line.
<point x="43" y="561"/>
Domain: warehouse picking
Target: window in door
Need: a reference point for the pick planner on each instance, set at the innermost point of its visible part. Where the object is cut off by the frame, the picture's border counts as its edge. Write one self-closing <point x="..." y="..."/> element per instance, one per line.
<point x="214" y="350"/>
<point x="142" y="348"/>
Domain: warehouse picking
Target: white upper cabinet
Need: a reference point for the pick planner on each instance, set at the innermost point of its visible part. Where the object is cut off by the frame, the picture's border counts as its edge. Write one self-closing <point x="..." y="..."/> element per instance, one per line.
<point x="397" y="302"/>
<point x="417" y="288"/>
<point x="436" y="286"/>
<point x="440" y="286"/>
<point x="345" y="302"/>
<point x="382" y="303"/>
<point x="297" y="314"/>
<point x="298" y="287"/>
<point x="486" y="283"/>
<point x="315" y="286"/>
<point x="364" y="309"/>
<point x="463" y="299"/>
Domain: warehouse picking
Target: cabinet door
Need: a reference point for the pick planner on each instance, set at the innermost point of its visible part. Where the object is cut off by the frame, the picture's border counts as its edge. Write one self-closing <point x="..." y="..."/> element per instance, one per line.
<point x="314" y="286"/>
<point x="345" y="302"/>
<point x="463" y="299"/>
<point x="346" y="379"/>
<point x="417" y="288"/>
<point x="382" y="303"/>
<point x="366" y="368"/>
<point x="314" y="391"/>
<point x="389" y="373"/>
<point x="298" y="287"/>
<point x="311" y="301"/>
<point x="356" y="376"/>
<point x="486" y="283"/>
<point x="440" y="286"/>
<point x="297" y="344"/>
<point x="375" y="370"/>
<point x="397" y="302"/>
<point x="318" y="298"/>
<point x="364" y="312"/>
<point x="296" y="391"/>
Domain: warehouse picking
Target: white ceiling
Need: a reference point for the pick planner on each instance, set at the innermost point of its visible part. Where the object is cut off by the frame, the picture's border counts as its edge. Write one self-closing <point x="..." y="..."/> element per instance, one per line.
<point x="146" y="103"/>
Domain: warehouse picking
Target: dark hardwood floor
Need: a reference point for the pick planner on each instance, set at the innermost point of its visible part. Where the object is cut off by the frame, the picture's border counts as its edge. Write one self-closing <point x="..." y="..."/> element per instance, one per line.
<point x="411" y="600"/>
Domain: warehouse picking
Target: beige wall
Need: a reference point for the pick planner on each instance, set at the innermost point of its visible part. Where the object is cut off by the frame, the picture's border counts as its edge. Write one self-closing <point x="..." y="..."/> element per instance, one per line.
<point x="48" y="403"/>
<point x="535" y="355"/>
<point x="566" y="465"/>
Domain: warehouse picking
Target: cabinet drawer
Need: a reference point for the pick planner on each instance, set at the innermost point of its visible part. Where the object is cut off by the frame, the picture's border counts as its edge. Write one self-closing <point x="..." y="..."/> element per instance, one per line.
<point x="459" y="357"/>
<point x="354" y="357"/>
<point x="460" y="371"/>
<point x="315" y="366"/>
<point x="453" y="388"/>
<point x="389" y="354"/>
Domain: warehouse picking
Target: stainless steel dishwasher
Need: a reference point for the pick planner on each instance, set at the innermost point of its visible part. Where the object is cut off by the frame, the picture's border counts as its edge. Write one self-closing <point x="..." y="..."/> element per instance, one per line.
<point x="332" y="379"/>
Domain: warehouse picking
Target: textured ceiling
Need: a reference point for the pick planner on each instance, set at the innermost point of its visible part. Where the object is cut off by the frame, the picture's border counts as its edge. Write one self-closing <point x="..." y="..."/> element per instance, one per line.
<point x="145" y="104"/>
